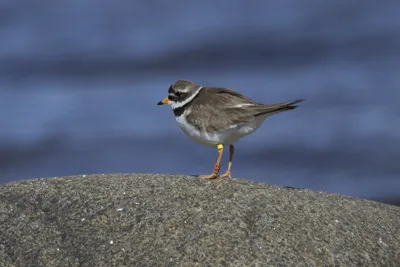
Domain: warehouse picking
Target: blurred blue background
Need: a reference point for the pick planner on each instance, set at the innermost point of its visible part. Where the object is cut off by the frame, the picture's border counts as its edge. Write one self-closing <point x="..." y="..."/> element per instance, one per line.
<point x="79" y="83"/>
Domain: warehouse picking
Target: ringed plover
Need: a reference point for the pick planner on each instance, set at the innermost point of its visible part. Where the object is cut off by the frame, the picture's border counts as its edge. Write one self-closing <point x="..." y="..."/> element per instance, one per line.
<point x="218" y="117"/>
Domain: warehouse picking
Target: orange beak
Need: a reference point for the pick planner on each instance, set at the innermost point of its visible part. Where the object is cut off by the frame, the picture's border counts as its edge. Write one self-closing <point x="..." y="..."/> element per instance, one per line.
<point x="164" y="101"/>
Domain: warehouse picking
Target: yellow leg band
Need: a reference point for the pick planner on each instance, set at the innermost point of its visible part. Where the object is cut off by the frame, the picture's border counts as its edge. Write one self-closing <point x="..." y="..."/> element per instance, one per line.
<point x="220" y="146"/>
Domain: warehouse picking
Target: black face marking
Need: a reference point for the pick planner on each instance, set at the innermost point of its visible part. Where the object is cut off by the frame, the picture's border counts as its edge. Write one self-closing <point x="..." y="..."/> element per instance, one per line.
<point x="170" y="90"/>
<point x="179" y="111"/>
<point x="181" y="96"/>
<point x="178" y="96"/>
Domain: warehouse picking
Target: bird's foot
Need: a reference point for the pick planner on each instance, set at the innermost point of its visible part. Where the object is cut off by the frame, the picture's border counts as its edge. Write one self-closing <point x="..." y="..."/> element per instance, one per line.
<point x="227" y="175"/>
<point x="209" y="176"/>
<point x="214" y="175"/>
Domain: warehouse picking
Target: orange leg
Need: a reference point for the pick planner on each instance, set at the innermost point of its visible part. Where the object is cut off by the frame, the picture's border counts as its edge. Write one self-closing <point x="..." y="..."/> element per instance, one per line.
<point x="217" y="165"/>
<point x="228" y="171"/>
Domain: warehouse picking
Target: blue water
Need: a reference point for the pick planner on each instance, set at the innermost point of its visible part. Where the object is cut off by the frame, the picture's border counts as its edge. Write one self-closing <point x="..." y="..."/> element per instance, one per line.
<point x="79" y="83"/>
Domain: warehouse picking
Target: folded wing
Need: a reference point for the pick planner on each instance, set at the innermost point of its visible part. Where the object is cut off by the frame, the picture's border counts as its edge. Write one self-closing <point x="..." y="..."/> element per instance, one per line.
<point x="227" y="109"/>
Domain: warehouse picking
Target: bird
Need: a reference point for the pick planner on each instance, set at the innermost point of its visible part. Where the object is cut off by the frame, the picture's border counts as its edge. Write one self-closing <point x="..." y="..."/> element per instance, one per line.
<point x="218" y="117"/>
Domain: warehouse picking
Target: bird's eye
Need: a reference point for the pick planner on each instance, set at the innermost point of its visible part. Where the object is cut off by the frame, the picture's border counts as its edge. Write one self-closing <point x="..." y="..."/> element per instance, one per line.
<point x="178" y="93"/>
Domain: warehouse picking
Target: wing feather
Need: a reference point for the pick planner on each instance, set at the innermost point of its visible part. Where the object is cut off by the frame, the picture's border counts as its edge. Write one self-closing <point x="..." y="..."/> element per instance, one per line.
<point x="225" y="109"/>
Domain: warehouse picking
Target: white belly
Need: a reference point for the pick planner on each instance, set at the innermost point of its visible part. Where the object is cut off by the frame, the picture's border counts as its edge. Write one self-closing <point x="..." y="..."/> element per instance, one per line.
<point x="226" y="137"/>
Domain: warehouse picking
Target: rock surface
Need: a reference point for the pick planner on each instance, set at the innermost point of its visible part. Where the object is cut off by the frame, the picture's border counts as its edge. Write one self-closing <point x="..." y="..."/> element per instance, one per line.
<point x="172" y="220"/>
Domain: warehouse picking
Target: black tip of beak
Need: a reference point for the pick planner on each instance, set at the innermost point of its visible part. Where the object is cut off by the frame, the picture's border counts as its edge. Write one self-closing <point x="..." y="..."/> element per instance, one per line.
<point x="160" y="103"/>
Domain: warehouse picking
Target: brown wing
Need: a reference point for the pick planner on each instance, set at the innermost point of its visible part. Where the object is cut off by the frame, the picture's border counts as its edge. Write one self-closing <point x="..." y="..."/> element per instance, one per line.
<point x="217" y="109"/>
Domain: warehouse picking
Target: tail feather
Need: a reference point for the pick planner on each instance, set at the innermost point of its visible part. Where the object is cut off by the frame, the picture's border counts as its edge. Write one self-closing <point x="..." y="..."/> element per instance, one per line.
<point x="276" y="108"/>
